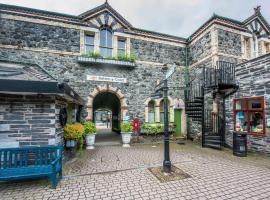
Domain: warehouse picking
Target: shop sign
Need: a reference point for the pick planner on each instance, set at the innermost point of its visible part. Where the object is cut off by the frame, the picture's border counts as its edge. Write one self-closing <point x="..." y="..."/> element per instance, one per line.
<point x="106" y="79"/>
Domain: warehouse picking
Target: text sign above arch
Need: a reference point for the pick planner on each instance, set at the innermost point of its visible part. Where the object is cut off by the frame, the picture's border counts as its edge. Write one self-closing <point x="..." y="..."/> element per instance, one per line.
<point x="106" y="79"/>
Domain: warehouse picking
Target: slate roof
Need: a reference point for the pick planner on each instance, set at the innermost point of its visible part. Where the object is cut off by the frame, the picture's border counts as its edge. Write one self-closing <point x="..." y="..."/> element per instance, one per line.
<point x="79" y="20"/>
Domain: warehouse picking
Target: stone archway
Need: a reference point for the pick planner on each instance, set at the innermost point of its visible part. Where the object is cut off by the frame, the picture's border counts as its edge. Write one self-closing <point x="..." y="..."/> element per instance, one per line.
<point x="106" y="88"/>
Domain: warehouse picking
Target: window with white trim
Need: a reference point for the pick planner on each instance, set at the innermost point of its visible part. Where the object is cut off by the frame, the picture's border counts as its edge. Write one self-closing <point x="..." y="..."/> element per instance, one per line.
<point x="106" y="46"/>
<point x="121" y="46"/>
<point x="89" y="45"/>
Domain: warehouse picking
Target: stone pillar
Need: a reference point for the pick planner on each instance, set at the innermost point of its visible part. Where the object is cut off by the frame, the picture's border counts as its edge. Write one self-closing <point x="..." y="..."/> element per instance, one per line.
<point x="128" y="46"/>
<point x="81" y="41"/>
<point x="96" y="49"/>
<point x="157" y="117"/>
<point x="146" y="114"/>
<point x="115" y="41"/>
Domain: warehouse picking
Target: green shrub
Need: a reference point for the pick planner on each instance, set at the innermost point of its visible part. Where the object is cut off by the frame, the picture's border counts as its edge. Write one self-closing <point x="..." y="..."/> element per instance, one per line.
<point x="89" y="128"/>
<point x="94" y="55"/>
<point x="120" y="57"/>
<point x="126" y="127"/>
<point x="74" y="132"/>
<point x="152" y="129"/>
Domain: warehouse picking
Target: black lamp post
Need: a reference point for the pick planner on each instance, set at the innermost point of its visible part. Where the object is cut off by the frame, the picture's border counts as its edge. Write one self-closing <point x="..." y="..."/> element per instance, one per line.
<point x="167" y="162"/>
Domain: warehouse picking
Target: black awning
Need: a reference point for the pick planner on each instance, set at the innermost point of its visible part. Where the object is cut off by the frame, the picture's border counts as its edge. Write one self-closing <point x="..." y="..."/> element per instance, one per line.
<point x="38" y="87"/>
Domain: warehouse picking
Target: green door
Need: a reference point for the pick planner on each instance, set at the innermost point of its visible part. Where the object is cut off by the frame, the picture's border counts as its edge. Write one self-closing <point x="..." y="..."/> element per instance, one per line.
<point x="177" y="121"/>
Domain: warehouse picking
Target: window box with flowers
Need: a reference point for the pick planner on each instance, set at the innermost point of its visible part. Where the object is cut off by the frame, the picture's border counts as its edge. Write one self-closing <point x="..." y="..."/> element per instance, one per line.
<point x="249" y="115"/>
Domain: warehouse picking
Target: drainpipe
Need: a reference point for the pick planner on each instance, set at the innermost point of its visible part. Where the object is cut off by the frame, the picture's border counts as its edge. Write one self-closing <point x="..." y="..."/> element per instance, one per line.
<point x="187" y="88"/>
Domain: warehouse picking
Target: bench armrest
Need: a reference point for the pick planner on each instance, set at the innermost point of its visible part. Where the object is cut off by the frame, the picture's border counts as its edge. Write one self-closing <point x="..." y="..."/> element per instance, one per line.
<point x="56" y="161"/>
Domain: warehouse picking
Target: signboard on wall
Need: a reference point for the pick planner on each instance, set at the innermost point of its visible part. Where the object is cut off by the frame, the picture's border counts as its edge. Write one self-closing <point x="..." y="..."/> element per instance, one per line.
<point x="106" y="79"/>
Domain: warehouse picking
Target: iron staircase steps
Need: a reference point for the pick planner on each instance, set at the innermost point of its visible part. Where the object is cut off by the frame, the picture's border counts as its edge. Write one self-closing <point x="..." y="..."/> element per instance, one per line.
<point x="212" y="141"/>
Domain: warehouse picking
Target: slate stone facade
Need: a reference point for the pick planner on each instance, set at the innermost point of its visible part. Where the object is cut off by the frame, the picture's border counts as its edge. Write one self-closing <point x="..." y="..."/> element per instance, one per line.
<point x="254" y="80"/>
<point x="29" y="121"/>
<point x="55" y="41"/>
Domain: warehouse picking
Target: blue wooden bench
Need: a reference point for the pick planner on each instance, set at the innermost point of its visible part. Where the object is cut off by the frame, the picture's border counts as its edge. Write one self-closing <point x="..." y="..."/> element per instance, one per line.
<point x="31" y="162"/>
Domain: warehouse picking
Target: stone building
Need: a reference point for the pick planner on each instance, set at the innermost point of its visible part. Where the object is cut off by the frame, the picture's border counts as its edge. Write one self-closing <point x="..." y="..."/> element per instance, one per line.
<point x="94" y="53"/>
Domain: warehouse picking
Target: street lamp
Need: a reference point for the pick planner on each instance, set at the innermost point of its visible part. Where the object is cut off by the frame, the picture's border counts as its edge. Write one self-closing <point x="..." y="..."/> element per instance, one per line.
<point x="167" y="165"/>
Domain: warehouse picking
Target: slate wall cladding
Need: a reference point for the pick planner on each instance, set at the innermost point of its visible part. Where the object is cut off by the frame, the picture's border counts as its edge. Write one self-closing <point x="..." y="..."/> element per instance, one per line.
<point x="200" y="49"/>
<point x="27" y="120"/>
<point x="34" y="35"/>
<point x="139" y="86"/>
<point x="254" y="80"/>
<point x="229" y="43"/>
<point x="157" y="52"/>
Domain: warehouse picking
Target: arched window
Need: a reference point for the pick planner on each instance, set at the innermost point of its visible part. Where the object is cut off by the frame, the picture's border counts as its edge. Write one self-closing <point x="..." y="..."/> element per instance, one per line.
<point x="151" y="112"/>
<point x="161" y="111"/>
<point x="106" y="42"/>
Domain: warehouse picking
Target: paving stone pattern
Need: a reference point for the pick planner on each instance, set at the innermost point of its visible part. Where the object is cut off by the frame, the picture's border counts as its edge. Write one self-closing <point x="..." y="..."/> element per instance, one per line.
<point x="118" y="173"/>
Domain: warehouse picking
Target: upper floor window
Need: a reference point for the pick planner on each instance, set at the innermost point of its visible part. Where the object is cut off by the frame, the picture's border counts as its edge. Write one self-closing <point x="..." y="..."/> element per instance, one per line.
<point x="121" y="46"/>
<point x="89" y="43"/>
<point x="106" y="42"/>
<point x="249" y="115"/>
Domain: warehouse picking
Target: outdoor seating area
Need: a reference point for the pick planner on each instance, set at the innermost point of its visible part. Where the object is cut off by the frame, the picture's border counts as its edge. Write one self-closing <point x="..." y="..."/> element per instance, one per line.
<point x="26" y="163"/>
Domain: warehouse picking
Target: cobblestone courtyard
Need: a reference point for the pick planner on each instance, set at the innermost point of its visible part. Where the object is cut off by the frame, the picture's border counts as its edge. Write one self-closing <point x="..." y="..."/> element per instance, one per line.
<point x="113" y="172"/>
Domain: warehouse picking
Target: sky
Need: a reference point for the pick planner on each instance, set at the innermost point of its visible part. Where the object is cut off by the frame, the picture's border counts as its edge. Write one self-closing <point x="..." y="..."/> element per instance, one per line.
<point x="175" y="17"/>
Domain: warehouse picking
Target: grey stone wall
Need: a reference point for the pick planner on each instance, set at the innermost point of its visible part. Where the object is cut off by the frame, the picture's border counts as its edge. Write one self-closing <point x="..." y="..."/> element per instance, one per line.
<point x="254" y="80"/>
<point x="27" y="121"/>
<point x="200" y="49"/>
<point x="157" y="52"/>
<point x="34" y="35"/>
<point x="140" y="81"/>
<point x="229" y="43"/>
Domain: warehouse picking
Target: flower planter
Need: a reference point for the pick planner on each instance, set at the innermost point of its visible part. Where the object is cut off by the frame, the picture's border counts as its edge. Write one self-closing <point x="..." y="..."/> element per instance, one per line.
<point x="90" y="141"/>
<point x="126" y="137"/>
<point x="71" y="143"/>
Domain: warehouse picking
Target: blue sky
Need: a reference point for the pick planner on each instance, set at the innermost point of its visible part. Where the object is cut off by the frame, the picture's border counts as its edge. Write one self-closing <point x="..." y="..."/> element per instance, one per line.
<point x="175" y="17"/>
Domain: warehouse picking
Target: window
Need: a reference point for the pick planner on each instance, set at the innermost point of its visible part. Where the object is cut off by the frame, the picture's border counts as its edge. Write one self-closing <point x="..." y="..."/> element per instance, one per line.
<point x="249" y="115"/>
<point x="151" y="112"/>
<point x="89" y="43"/>
<point x="121" y="45"/>
<point x="106" y="42"/>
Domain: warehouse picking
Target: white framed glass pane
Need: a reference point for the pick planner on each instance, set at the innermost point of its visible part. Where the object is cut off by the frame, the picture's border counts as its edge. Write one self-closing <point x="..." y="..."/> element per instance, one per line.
<point x="105" y="51"/>
<point x="109" y="39"/>
<point x="89" y="39"/>
<point x="121" y="52"/>
<point x="103" y="38"/>
<point x="151" y="117"/>
<point x="121" y="44"/>
<point x="161" y="117"/>
<point x="89" y="48"/>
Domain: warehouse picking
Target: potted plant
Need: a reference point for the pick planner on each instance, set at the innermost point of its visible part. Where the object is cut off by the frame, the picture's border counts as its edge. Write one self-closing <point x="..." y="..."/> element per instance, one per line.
<point x="126" y="131"/>
<point x="90" y="132"/>
<point x="72" y="134"/>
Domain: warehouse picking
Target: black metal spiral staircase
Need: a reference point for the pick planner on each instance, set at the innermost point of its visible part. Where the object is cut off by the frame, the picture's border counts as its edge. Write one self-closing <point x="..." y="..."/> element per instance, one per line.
<point x="220" y="80"/>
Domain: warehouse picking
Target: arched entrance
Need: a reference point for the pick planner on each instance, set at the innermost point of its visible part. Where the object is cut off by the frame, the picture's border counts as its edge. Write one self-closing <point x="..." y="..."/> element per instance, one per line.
<point x="107" y="105"/>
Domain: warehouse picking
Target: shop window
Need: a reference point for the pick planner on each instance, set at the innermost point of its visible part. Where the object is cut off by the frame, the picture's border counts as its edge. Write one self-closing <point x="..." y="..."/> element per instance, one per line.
<point x="249" y="115"/>
<point x="151" y="112"/>
<point x="121" y="46"/>
<point x="89" y="43"/>
<point x="106" y="42"/>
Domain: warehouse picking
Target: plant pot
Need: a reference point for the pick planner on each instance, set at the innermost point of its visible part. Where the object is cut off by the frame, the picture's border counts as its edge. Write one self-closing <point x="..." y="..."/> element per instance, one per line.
<point x="126" y="137"/>
<point x="90" y="141"/>
<point x="71" y="143"/>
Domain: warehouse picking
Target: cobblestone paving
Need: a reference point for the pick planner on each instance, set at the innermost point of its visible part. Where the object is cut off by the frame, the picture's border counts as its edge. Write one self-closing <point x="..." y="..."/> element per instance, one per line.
<point x="121" y="173"/>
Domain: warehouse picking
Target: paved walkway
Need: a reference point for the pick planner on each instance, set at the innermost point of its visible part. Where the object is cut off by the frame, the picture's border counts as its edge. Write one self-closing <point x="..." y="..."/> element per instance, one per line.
<point x="113" y="172"/>
<point x="105" y="137"/>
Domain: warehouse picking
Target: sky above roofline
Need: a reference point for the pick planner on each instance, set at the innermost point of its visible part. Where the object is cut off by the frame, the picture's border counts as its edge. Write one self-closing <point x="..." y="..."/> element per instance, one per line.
<point x="175" y="17"/>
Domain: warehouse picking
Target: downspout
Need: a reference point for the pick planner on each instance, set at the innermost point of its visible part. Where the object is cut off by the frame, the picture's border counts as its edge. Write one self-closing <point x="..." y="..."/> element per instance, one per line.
<point x="187" y="88"/>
